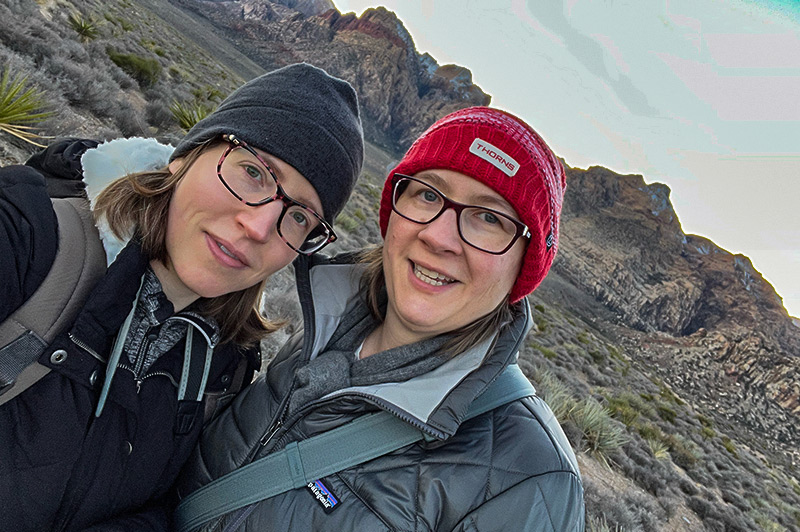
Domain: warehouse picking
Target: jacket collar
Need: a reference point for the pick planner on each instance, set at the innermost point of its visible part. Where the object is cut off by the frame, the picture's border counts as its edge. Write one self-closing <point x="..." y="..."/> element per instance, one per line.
<point x="111" y="300"/>
<point x="436" y="402"/>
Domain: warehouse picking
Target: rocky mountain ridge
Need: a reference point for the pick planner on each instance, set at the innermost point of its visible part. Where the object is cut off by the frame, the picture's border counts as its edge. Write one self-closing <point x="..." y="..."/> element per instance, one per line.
<point x="400" y="90"/>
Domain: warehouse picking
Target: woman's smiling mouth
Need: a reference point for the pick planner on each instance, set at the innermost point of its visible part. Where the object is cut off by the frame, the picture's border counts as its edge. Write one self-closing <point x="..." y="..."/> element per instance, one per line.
<point x="430" y="276"/>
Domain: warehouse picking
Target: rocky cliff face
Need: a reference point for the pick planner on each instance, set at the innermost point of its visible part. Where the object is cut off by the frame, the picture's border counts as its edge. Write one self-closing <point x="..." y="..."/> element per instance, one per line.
<point x="712" y="326"/>
<point x="401" y="91"/>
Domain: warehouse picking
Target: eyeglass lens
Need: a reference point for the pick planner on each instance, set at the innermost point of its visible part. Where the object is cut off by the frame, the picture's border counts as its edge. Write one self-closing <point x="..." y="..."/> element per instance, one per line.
<point x="249" y="179"/>
<point x="483" y="228"/>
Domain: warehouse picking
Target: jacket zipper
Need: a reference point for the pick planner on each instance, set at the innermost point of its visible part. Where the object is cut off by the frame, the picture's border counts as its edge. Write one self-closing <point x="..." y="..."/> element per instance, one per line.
<point x="141" y="354"/>
<point x="283" y="423"/>
<point x="270" y="433"/>
<point x="77" y="341"/>
<point x="166" y="374"/>
<point x="265" y="439"/>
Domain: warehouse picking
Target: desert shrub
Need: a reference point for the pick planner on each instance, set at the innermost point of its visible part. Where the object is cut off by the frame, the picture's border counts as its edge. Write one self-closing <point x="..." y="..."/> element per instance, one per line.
<point x="735" y="499"/>
<point x="729" y="446"/>
<point x="541" y="323"/>
<point x="159" y="115"/>
<point x="766" y="524"/>
<point x="626" y="407"/>
<point x="85" y="85"/>
<point x="700" y="476"/>
<point x="649" y="478"/>
<point x="614" y="353"/>
<point x="597" y="356"/>
<point x="707" y="432"/>
<point x="650" y="431"/>
<point x="700" y="506"/>
<point x="118" y="21"/>
<point x="688" y="487"/>
<point x="144" y="70"/>
<point x="21" y="107"/>
<point x="212" y="94"/>
<point x="667" y="413"/>
<point x="628" y="511"/>
<point x="129" y="121"/>
<point x="548" y="353"/>
<point x="705" y="421"/>
<point x="720" y="516"/>
<point x="795" y="486"/>
<point x="681" y="451"/>
<point x="346" y="222"/>
<point x="669" y="395"/>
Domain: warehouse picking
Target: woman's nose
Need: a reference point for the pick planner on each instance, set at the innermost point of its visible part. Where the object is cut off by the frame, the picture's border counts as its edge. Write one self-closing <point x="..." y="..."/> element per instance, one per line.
<point x="261" y="222"/>
<point x="442" y="233"/>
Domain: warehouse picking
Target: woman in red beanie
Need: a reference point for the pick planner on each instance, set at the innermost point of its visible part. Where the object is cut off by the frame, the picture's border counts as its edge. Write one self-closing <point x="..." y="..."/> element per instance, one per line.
<point x="419" y="328"/>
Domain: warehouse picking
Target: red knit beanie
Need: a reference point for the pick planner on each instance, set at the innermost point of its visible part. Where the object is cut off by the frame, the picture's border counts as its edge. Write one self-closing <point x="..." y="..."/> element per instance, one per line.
<point x="503" y="152"/>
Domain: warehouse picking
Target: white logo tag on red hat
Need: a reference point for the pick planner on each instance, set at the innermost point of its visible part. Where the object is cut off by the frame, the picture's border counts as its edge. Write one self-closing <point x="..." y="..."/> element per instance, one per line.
<point x="495" y="156"/>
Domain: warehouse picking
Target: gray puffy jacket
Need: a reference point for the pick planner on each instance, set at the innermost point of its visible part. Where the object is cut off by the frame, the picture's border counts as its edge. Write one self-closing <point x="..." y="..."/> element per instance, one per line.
<point x="510" y="469"/>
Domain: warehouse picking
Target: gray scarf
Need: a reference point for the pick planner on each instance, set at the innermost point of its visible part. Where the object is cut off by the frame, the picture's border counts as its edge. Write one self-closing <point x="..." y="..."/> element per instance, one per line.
<point x="336" y="367"/>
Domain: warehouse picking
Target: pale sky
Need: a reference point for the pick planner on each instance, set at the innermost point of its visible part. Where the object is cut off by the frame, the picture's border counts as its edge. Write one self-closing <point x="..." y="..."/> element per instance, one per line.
<point x="702" y="95"/>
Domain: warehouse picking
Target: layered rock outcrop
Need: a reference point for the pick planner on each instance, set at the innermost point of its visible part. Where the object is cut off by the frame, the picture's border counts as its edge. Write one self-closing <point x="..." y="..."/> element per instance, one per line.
<point x="401" y="91"/>
<point x="713" y="327"/>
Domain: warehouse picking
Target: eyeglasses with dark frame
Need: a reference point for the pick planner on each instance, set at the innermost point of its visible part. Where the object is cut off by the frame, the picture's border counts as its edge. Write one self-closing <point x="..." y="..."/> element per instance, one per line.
<point x="485" y="229"/>
<point x="251" y="180"/>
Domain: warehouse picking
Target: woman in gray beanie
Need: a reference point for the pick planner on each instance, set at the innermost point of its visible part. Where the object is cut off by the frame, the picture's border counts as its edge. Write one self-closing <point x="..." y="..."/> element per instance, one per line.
<point x="171" y="331"/>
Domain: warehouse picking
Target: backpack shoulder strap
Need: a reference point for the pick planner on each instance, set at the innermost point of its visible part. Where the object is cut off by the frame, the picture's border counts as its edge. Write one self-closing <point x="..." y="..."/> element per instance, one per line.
<point x="79" y="263"/>
<point x="301" y="463"/>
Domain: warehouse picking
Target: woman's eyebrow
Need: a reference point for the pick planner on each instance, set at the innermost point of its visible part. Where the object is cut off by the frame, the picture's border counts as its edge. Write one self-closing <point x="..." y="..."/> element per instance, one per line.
<point x="433" y="179"/>
<point x="282" y="179"/>
<point x="481" y="200"/>
<point x="495" y="203"/>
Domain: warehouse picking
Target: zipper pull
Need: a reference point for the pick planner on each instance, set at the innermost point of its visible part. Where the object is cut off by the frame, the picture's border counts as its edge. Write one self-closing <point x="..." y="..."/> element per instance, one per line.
<point x="265" y="439"/>
<point x="138" y="386"/>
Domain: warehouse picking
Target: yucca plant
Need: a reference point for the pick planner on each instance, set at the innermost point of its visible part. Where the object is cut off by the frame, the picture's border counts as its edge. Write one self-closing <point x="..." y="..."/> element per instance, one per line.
<point x="21" y="108"/>
<point x="602" y="434"/>
<point x="187" y="114"/>
<point x="658" y="448"/>
<point x="599" y="524"/>
<point x="558" y="396"/>
<point x="86" y="27"/>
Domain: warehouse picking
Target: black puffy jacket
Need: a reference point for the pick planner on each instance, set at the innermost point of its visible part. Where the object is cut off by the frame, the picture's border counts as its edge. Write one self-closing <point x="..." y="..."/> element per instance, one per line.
<point x="510" y="469"/>
<point x="60" y="467"/>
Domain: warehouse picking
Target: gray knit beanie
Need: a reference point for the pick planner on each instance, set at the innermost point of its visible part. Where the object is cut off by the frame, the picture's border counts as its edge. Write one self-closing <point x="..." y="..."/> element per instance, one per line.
<point x="301" y="115"/>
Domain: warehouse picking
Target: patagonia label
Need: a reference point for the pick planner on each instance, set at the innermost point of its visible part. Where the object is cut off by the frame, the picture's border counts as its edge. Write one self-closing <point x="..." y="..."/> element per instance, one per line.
<point x="323" y="495"/>
<point x="495" y="156"/>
